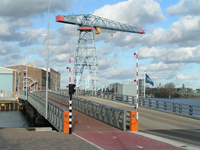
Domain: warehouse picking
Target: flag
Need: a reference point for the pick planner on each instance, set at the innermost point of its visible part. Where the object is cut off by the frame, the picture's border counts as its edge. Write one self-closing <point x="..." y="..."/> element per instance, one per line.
<point x="148" y="80"/>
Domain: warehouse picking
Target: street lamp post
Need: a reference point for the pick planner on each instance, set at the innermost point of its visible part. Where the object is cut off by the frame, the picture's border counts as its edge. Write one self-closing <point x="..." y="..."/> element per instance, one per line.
<point x="27" y="68"/>
<point x="44" y="35"/>
<point x="47" y="57"/>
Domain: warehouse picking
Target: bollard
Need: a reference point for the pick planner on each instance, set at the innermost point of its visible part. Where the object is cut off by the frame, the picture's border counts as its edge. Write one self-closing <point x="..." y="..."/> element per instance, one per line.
<point x="66" y="122"/>
<point x="133" y="121"/>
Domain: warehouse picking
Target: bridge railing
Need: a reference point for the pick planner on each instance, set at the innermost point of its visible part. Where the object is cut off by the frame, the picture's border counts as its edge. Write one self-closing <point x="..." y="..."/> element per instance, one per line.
<point x="55" y="112"/>
<point x="110" y="115"/>
<point x="177" y="108"/>
<point x="111" y="96"/>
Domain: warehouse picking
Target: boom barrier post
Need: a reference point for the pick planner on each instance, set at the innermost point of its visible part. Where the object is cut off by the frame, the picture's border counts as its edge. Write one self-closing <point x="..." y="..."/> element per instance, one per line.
<point x="137" y="93"/>
<point x="133" y="121"/>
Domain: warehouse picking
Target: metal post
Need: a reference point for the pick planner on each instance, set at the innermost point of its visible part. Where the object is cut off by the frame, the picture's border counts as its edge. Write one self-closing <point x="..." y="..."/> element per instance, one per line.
<point x="70" y="100"/>
<point x="70" y="114"/>
<point x="47" y="57"/>
<point x="137" y="115"/>
<point x="144" y="83"/>
<point x="27" y="69"/>
<point x="15" y="81"/>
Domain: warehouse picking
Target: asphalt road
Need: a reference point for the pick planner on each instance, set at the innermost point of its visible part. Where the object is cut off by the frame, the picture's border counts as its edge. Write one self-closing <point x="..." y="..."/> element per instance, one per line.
<point x="159" y="123"/>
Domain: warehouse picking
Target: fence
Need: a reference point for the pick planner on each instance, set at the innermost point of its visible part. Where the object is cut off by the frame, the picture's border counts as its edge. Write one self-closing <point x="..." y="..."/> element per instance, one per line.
<point x="111" y="96"/>
<point x="7" y="95"/>
<point x="177" y="108"/>
<point x="110" y="115"/>
<point x="55" y="112"/>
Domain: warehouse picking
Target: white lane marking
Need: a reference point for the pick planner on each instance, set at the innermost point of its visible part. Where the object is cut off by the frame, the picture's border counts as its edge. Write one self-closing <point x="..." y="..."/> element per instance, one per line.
<point x="88" y="141"/>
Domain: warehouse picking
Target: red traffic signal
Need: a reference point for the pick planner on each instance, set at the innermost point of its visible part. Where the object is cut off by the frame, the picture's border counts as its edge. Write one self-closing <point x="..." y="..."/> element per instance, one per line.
<point x="71" y="89"/>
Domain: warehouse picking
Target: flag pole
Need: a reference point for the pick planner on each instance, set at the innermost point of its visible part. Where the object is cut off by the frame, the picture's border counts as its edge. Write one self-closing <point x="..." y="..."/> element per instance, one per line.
<point x="144" y="83"/>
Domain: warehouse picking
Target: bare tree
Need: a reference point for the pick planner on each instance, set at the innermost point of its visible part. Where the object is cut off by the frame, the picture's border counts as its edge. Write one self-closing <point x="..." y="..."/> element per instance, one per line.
<point x="170" y="85"/>
<point x="170" y="88"/>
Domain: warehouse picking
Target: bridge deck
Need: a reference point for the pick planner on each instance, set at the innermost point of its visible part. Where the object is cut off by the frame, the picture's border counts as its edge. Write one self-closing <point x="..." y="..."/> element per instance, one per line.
<point x="160" y="123"/>
<point x="108" y="137"/>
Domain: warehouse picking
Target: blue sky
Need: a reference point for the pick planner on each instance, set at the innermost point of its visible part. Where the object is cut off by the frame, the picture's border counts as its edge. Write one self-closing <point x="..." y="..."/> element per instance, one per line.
<point x="169" y="51"/>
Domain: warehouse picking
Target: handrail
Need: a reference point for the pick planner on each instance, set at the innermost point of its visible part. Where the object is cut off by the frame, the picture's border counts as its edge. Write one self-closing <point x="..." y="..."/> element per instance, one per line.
<point x="55" y="112"/>
<point x="176" y="108"/>
<point x="110" y="115"/>
<point x="156" y="104"/>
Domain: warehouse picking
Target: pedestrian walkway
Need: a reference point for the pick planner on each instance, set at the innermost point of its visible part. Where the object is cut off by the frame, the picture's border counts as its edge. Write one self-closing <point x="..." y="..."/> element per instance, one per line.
<point x="22" y="139"/>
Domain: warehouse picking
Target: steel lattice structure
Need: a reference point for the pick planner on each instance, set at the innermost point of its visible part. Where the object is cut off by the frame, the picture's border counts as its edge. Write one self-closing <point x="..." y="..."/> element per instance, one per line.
<point x="85" y="53"/>
<point x="95" y="21"/>
<point x="85" y="56"/>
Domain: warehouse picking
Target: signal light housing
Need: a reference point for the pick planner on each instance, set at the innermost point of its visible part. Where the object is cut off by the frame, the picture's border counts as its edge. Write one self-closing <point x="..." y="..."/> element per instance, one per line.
<point x="71" y="89"/>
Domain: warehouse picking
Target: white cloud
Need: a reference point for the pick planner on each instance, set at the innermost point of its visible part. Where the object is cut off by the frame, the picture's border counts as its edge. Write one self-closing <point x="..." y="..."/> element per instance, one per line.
<point x="105" y="63"/>
<point x="171" y="54"/>
<point x="185" y="31"/>
<point x="118" y="73"/>
<point x="188" y="76"/>
<point x="26" y="8"/>
<point x="133" y="12"/>
<point x="182" y="33"/>
<point x="161" y="66"/>
<point x="185" y="7"/>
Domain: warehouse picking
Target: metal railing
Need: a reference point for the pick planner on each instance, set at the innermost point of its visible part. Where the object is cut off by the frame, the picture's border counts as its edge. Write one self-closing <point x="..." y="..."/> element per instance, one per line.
<point x="176" y="108"/>
<point x="111" y="96"/>
<point x="110" y="115"/>
<point x="55" y="112"/>
<point x="172" y="107"/>
<point x="55" y="96"/>
<point x="7" y="95"/>
<point x="22" y="95"/>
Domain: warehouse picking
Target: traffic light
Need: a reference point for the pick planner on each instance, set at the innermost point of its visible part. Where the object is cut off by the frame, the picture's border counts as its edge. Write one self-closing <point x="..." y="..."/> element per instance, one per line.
<point x="71" y="88"/>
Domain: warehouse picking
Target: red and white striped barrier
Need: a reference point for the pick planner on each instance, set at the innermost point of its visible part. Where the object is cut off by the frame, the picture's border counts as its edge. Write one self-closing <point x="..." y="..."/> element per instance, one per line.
<point x="137" y="92"/>
<point x="70" y="71"/>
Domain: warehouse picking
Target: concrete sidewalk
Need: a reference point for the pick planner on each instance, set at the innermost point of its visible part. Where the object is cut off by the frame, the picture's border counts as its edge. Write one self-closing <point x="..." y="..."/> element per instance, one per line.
<point x="22" y="139"/>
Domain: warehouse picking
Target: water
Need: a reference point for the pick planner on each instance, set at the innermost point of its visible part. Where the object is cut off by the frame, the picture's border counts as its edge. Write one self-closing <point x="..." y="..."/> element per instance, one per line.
<point x="19" y="119"/>
<point x="15" y="118"/>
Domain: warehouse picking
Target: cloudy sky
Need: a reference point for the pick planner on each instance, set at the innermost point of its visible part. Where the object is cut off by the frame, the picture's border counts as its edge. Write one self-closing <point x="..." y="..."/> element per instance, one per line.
<point x="169" y="51"/>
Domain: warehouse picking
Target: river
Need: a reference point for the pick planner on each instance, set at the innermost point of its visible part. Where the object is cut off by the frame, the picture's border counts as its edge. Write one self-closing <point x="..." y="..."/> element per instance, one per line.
<point x="19" y="119"/>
